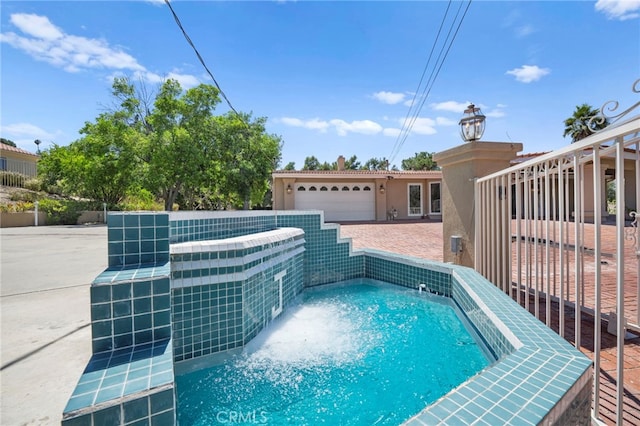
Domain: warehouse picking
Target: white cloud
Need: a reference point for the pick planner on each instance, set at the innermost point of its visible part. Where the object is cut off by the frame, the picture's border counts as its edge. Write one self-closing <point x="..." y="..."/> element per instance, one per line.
<point x="525" y="30"/>
<point x="313" y="124"/>
<point x="36" y="26"/>
<point x="451" y="106"/>
<point x="25" y="130"/>
<point x="496" y="113"/>
<point x="390" y="98"/>
<point x="619" y="9"/>
<point x="528" y="73"/>
<point x="186" y="81"/>
<point x="421" y="126"/>
<point x="391" y="131"/>
<point x="443" y="121"/>
<point x="43" y="41"/>
<point x="365" y="127"/>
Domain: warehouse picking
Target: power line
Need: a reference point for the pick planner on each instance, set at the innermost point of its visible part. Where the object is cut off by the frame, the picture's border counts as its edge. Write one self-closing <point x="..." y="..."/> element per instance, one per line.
<point x="186" y="36"/>
<point x="402" y="137"/>
<point x="415" y="93"/>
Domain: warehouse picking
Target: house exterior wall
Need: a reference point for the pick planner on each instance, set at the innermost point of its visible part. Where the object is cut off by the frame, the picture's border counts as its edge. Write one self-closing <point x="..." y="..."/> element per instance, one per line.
<point x="390" y="188"/>
<point x="18" y="161"/>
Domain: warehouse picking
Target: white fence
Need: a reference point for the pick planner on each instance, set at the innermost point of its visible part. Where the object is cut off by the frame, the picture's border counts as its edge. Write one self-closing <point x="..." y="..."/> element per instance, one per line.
<point x="16" y="172"/>
<point x="542" y="236"/>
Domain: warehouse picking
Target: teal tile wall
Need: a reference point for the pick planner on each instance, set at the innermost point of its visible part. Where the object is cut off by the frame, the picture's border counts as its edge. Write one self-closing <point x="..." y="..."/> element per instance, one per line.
<point x="206" y="319"/>
<point x="497" y="342"/>
<point x="137" y="238"/>
<point x="157" y="408"/>
<point x="125" y="386"/>
<point x="221" y="299"/>
<point x="327" y="259"/>
<point x="408" y="272"/>
<point x="129" y="313"/>
<point x="261" y="294"/>
<point x="218" y="228"/>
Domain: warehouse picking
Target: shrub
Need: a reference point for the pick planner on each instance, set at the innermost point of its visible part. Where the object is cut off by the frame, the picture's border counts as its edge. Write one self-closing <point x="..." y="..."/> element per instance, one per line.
<point x="62" y="212"/>
<point x="20" y="206"/>
<point x="33" y="184"/>
<point x="12" y="179"/>
<point x="24" y="196"/>
<point x="141" y="199"/>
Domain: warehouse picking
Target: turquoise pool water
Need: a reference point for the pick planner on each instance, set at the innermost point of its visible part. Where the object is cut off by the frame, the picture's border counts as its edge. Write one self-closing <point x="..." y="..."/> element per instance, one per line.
<point x="356" y="353"/>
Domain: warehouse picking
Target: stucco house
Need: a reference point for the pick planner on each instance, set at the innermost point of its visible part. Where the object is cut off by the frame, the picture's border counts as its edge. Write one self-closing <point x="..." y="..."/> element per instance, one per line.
<point x="16" y="160"/>
<point x="359" y="195"/>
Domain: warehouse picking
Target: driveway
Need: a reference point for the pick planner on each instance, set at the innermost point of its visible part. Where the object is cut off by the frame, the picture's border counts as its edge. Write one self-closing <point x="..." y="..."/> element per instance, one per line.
<point x="45" y="273"/>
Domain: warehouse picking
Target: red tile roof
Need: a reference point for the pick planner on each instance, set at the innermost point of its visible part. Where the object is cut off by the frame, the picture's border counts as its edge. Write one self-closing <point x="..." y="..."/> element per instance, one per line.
<point x="5" y="147"/>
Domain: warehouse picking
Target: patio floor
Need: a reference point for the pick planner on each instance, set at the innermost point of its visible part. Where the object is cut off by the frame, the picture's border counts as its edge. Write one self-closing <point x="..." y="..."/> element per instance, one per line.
<point x="424" y="239"/>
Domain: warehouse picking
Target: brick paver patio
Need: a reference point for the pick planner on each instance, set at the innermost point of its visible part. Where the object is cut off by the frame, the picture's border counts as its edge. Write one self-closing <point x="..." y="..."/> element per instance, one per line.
<point x="424" y="239"/>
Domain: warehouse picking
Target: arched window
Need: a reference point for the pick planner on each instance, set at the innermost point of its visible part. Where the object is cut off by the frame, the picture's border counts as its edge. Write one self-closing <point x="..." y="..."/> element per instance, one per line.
<point x="366" y="188"/>
<point x="345" y="188"/>
<point x="356" y="188"/>
<point x="334" y="188"/>
<point x="302" y="188"/>
<point x="323" y="188"/>
<point x="312" y="188"/>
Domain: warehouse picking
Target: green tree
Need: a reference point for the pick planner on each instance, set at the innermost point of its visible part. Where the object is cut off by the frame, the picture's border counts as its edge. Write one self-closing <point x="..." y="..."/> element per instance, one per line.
<point x="290" y="166"/>
<point x="352" y="163"/>
<point x="180" y="146"/>
<point x="580" y="124"/>
<point x="376" y="164"/>
<point x="249" y="156"/>
<point x="311" y="163"/>
<point x="420" y="161"/>
<point x="102" y="165"/>
<point x="7" y="142"/>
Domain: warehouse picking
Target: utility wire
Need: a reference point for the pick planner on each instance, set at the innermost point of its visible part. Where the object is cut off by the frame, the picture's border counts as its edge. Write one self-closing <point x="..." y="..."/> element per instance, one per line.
<point x="432" y="78"/>
<point x="406" y="120"/>
<point x="186" y="36"/>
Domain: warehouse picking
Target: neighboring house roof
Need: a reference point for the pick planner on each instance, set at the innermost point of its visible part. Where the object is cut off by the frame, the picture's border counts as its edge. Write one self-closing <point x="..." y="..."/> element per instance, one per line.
<point x="9" y="148"/>
<point x="524" y="157"/>
<point x="346" y="174"/>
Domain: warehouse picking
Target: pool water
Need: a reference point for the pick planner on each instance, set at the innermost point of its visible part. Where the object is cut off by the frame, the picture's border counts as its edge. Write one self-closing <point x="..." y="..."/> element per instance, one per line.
<point x="356" y="353"/>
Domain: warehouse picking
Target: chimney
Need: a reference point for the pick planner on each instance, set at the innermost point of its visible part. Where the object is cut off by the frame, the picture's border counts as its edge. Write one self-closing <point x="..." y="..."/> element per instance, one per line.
<point x="341" y="163"/>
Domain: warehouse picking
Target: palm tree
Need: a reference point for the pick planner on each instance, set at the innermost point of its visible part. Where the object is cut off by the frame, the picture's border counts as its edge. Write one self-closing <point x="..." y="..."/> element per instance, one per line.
<point x="580" y="125"/>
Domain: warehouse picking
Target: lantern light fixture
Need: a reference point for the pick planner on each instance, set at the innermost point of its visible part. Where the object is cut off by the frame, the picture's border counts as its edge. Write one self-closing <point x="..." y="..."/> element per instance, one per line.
<point x="472" y="124"/>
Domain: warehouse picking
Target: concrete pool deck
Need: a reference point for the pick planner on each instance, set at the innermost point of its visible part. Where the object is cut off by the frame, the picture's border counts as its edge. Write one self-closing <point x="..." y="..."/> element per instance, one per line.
<point x="44" y="304"/>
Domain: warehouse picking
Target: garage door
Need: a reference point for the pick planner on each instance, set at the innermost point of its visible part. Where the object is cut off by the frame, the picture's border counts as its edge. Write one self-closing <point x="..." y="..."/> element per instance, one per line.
<point x="340" y="202"/>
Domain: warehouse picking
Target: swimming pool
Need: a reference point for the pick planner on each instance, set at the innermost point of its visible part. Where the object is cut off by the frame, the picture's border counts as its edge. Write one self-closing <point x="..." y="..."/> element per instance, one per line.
<point x="186" y="289"/>
<point x="360" y="352"/>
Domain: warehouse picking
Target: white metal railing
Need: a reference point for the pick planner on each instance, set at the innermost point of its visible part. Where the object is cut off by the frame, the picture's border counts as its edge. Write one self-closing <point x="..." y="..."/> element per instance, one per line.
<point x="15" y="172"/>
<point x="542" y="236"/>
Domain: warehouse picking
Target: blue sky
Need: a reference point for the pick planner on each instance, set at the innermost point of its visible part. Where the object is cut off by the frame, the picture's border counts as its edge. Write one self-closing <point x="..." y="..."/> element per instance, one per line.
<point x="332" y="77"/>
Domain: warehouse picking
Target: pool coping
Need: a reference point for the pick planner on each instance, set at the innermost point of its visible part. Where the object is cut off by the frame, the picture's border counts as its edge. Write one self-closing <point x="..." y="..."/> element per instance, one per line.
<point x="534" y="383"/>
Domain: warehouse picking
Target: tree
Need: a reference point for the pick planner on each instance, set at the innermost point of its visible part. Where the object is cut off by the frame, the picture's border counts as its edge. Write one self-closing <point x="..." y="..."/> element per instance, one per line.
<point x="7" y="142"/>
<point x="375" y="164"/>
<point x="180" y="148"/>
<point x="580" y="124"/>
<point x="102" y="165"/>
<point x="311" y="163"/>
<point x="290" y="166"/>
<point x="249" y="156"/>
<point x="420" y="161"/>
<point x="352" y="163"/>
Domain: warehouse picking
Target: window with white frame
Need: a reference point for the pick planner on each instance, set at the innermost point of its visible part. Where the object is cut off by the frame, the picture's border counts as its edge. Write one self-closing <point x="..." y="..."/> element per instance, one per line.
<point x="434" y="198"/>
<point x="415" y="199"/>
